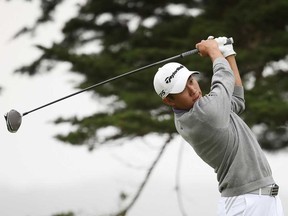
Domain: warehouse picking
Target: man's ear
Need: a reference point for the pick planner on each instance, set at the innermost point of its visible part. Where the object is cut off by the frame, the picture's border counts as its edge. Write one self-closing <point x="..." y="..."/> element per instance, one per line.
<point x="168" y="101"/>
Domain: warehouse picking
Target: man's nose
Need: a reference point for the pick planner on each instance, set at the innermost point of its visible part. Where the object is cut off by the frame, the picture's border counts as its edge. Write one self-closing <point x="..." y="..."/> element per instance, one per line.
<point x="191" y="89"/>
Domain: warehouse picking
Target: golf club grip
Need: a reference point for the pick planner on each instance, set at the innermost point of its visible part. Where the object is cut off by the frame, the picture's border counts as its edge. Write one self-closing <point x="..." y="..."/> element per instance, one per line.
<point x="190" y="52"/>
<point x="229" y="41"/>
<point x="194" y="51"/>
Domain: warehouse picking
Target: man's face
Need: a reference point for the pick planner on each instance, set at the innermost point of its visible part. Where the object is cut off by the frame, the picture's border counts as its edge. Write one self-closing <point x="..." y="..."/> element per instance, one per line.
<point x="186" y="99"/>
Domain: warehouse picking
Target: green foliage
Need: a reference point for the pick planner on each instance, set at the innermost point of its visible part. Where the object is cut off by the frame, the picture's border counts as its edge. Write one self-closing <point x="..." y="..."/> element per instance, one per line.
<point x="258" y="27"/>
<point x="65" y="214"/>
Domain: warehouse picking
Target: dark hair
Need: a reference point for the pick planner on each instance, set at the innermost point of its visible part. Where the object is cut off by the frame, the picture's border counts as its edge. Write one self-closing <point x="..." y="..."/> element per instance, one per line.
<point x="170" y="96"/>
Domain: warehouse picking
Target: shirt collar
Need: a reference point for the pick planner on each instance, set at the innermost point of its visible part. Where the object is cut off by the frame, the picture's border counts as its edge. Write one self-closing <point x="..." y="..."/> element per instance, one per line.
<point x="179" y="111"/>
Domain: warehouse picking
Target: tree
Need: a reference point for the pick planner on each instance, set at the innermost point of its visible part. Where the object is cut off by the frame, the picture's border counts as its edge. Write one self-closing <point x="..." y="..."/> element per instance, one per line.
<point x="136" y="33"/>
<point x="65" y="214"/>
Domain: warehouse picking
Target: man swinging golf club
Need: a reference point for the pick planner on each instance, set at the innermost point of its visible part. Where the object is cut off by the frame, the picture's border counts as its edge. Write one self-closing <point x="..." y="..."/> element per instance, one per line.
<point x="14" y="119"/>
<point x="211" y="125"/>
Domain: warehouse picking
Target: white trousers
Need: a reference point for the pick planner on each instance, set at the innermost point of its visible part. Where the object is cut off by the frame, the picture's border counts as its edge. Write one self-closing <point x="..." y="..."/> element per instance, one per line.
<point x="250" y="205"/>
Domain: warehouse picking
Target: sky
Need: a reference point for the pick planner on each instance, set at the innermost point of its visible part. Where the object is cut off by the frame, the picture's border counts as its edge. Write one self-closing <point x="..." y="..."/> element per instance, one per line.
<point x="40" y="176"/>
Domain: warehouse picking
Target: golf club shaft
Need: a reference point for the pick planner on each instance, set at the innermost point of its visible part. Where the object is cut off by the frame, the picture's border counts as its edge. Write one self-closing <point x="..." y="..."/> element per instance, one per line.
<point x="182" y="55"/>
<point x="114" y="78"/>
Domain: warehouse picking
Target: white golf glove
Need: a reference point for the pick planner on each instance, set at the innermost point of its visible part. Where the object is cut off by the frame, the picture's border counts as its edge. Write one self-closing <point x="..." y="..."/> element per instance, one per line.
<point x="226" y="50"/>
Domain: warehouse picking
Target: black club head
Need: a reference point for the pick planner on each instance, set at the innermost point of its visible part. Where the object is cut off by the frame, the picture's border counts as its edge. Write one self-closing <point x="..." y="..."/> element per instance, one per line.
<point x="13" y="120"/>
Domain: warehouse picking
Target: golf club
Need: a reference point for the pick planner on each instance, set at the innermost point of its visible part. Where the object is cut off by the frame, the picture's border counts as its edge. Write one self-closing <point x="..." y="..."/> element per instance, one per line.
<point x="14" y="118"/>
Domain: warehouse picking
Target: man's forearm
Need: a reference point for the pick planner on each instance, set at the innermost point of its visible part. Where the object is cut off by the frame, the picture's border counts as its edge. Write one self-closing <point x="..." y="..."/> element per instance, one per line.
<point x="232" y="62"/>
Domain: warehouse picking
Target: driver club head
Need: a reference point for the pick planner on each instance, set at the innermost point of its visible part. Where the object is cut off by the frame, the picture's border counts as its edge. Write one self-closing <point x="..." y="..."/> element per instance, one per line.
<point x="13" y="120"/>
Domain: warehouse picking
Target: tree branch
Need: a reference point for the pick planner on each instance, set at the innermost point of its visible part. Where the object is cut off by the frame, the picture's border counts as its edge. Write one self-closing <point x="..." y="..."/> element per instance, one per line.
<point x="177" y="180"/>
<point x="124" y="211"/>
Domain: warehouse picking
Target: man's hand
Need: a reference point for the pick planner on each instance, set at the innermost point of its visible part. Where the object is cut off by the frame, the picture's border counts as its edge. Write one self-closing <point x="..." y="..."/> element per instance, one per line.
<point x="209" y="48"/>
<point x="226" y="50"/>
<point x="229" y="54"/>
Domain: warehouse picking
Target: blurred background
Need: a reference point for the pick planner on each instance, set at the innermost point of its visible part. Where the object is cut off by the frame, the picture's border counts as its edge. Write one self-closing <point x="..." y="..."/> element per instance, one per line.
<point x="114" y="150"/>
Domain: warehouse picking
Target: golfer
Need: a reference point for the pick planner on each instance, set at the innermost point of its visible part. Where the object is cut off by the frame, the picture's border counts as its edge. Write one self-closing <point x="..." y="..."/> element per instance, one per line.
<point x="211" y="125"/>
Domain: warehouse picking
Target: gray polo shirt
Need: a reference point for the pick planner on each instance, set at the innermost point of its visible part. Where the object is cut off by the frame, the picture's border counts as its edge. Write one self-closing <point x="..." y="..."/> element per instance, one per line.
<point x="222" y="139"/>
